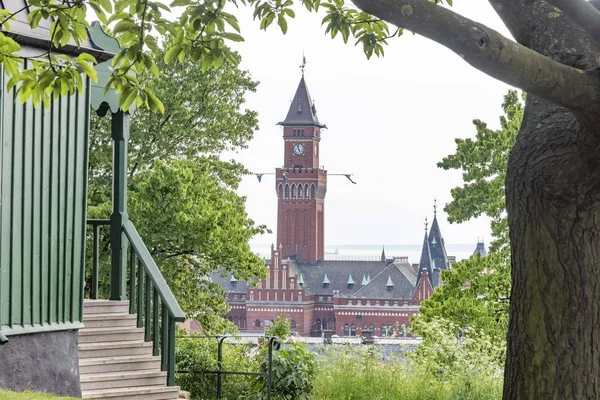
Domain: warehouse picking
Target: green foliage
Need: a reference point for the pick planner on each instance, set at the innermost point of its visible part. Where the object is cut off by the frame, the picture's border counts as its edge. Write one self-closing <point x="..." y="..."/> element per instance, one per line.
<point x="474" y="299"/>
<point x="483" y="163"/>
<point x="202" y="32"/>
<point x="294" y="371"/>
<point x="182" y="196"/>
<point x="347" y="372"/>
<point x="281" y="328"/>
<point x="201" y="354"/>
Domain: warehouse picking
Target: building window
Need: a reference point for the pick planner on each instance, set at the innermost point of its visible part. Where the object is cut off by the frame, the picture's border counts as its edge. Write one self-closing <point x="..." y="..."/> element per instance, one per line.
<point x="365" y="328"/>
<point x="372" y="329"/>
<point x="293" y="324"/>
<point x="293" y="191"/>
<point x="324" y="323"/>
<point x="346" y="330"/>
<point x="352" y="330"/>
<point x="306" y="196"/>
<point x="257" y="323"/>
<point x="383" y="331"/>
<point x="287" y="191"/>
<point x="318" y="324"/>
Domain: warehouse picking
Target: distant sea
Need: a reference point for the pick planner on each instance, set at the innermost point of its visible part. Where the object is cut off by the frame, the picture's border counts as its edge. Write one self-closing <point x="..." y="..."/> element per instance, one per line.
<point x="350" y="251"/>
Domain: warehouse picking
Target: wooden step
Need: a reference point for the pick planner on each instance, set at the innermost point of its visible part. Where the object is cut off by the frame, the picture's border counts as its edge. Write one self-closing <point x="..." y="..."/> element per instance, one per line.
<point x="123" y="379"/>
<point x="105" y="307"/>
<point x="141" y="393"/>
<point x="114" y="349"/>
<point x="118" y="364"/>
<point x="109" y="320"/>
<point x="119" y="334"/>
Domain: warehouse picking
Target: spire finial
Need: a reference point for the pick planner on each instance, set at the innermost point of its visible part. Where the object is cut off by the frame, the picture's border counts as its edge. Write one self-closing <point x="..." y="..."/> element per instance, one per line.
<point x="434" y="206"/>
<point x="303" y="66"/>
<point x="426" y="224"/>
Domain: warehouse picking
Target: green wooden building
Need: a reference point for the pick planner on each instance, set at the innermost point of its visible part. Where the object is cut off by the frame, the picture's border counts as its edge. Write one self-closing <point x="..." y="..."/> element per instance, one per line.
<point x="52" y="338"/>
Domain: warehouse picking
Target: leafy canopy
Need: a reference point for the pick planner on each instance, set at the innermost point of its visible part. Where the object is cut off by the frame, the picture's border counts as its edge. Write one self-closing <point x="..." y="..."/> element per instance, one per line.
<point x="202" y="32"/>
<point x="473" y="301"/>
<point x="182" y="195"/>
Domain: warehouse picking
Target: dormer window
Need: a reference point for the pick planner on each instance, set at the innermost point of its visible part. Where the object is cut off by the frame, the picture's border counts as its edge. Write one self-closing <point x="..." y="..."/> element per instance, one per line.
<point x="325" y="281"/>
<point x="233" y="281"/>
<point x="350" y="282"/>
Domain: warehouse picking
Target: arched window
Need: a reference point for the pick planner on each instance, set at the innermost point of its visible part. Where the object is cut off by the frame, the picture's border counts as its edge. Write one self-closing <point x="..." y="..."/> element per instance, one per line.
<point x="352" y="330"/>
<point x="346" y="330"/>
<point x="372" y="329"/>
<point x="365" y="328"/>
<point x="279" y="190"/>
<point x="243" y="323"/>
<point x="384" y="330"/>
<point x="403" y="330"/>
<point x="312" y="191"/>
<point x="306" y="194"/>
<point x="287" y="192"/>
<point x="293" y="191"/>
<point x="257" y="323"/>
<point x="236" y="321"/>
<point x="318" y="324"/>
<point x="324" y="323"/>
<point x="300" y="191"/>
<point x="293" y="324"/>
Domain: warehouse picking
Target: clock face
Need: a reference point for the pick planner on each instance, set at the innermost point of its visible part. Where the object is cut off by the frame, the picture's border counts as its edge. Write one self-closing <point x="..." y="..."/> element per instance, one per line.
<point x="298" y="149"/>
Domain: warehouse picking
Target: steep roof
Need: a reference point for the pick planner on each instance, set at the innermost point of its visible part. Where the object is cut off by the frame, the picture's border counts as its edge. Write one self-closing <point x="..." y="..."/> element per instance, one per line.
<point x="379" y="288"/>
<point x="480" y="249"/>
<point x="302" y="111"/>
<point x="338" y="273"/>
<point x="437" y="246"/>
<point x="425" y="261"/>
<point x="228" y="282"/>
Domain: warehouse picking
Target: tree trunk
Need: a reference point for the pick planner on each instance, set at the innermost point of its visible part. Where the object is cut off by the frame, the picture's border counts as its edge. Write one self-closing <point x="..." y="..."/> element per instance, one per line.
<point x="553" y="204"/>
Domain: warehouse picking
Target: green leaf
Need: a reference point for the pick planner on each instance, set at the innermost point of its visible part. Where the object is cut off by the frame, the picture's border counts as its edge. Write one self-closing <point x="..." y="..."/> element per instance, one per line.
<point x="124" y="25"/>
<point x="172" y="52"/>
<point x="282" y="23"/>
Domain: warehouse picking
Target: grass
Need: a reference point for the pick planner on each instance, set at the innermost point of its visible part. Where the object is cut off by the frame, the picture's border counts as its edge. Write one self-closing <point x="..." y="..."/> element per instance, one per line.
<point x="4" y="395"/>
<point x="346" y="376"/>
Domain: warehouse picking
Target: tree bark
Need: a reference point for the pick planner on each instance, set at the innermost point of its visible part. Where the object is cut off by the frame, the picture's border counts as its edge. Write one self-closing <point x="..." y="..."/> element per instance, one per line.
<point x="553" y="204"/>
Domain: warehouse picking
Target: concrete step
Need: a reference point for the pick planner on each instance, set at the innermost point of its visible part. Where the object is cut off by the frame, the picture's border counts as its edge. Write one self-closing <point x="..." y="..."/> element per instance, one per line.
<point x="114" y="349"/>
<point x="119" y="334"/>
<point x="109" y="320"/>
<point x="118" y="364"/>
<point x="105" y="307"/>
<point x="138" y="393"/>
<point x="113" y="380"/>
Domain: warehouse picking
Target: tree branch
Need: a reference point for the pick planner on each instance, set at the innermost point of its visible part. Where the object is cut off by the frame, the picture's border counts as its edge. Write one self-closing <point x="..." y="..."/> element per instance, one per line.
<point x="490" y="52"/>
<point x="582" y="13"/>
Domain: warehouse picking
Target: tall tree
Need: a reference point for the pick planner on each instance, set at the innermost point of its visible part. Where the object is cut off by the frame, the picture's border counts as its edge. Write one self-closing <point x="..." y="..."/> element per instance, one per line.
<point x="483" y="162"/>
<point x="553" y="179"/>
<point x="181" y="194"/>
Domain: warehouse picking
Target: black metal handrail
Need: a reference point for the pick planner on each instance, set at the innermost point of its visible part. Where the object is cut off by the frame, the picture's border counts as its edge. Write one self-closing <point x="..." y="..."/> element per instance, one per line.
<point x="274" y="344"/>
<point x="149" y="296"/>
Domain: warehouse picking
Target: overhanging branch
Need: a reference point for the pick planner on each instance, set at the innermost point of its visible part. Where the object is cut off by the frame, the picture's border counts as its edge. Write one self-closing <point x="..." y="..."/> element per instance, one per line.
<point x="582" y="13"/>
<point x="490" y="52"/>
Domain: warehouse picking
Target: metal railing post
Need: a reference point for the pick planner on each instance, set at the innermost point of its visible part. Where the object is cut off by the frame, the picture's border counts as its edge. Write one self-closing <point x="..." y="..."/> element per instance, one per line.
<point x="220" y="367"/>
<point x="95" y="261"/>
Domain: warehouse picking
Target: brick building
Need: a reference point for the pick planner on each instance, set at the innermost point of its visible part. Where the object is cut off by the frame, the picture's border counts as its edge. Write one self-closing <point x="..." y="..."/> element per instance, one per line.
<point x="317" y="294"/>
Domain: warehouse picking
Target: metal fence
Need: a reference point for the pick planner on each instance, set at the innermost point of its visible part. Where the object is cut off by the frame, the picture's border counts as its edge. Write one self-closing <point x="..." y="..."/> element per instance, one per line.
<point x="273" y="343"/>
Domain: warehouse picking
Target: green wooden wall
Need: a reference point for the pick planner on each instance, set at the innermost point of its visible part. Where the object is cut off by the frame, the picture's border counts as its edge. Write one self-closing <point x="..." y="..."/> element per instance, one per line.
<point x="43" y="186"/>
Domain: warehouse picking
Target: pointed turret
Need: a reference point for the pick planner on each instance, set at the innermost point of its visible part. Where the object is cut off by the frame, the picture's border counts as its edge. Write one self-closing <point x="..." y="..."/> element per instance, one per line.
<point x="390" y="283"/>
<point x="480" y="249"/>
<point x="301" y="280"/>
<point x="436" y="242"/>
<point x="383" y="254"/>
<point x="325" y="280"/>
<point x="302" y="111"/>
<point x="426" y="263"/>
<point x="364" y="280"/>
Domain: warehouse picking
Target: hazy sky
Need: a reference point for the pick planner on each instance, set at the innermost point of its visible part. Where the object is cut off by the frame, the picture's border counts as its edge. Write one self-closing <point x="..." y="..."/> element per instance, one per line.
<point x="389" y="121"/>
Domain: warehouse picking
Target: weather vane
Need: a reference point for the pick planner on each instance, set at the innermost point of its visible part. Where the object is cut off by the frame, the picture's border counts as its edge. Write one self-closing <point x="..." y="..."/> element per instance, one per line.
<point x="303" y="66"/>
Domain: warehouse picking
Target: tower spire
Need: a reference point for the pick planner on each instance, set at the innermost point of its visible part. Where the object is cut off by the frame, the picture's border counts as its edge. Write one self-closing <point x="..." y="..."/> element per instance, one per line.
<point x="303" y="66"/>
<point x="426" y="224"/>
<point x="434" y="207"/>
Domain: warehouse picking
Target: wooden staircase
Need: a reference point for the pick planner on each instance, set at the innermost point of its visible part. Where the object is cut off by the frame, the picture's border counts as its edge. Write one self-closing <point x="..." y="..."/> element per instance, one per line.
<point x="115" y="363"/>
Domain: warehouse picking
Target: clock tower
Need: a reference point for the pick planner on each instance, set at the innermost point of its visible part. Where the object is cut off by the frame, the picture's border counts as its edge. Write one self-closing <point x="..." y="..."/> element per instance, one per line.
<point x="301" y="185"/>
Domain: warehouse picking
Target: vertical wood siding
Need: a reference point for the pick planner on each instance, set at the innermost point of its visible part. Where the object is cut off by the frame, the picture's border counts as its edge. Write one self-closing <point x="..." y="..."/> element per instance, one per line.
<point x="43" y="186"/>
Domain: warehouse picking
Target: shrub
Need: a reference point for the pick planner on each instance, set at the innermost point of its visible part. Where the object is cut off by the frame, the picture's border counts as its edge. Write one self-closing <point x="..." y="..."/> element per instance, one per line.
<point x="294" y="370"/>
<point x="199" y="353"/>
